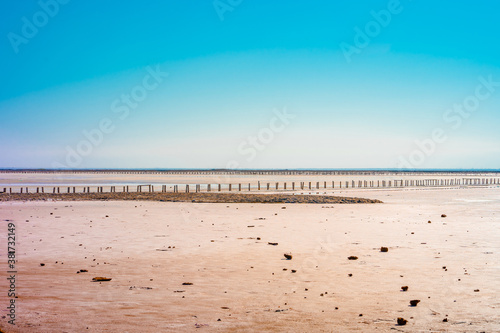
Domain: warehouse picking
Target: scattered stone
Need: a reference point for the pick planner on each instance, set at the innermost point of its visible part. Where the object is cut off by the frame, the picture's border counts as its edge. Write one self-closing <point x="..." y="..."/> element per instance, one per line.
<point x="271" y="243"/>
<point x="402" y="321"/>
<point x="42" y="264"/>
<point x="350" y="274"/>
<point x="250" y="226"/>
<point x="476" y="290"/>
<point x="219" y="319"/>
<point x="404" y="288"/>
<point x="288" y="256"/>
<point x="443" y="215"/>
<point x="384" y="249"/>
<point x="187" y="283"/>
<point x="445" y="320"/>
<point x="285" y="269"/>
<point x="352" y="258"/>
<point x="258" y="238"/>
<point x="100" y="278"/>
<point x="414" y="302"/>
<point x="294" y="270"/>
<point x="361" y="315"/>
<point x="429" y="222"/>
<point x="283" y="207"/>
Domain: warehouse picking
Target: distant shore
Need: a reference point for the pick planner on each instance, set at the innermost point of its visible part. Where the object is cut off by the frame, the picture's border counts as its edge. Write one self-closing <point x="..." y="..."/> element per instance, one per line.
<point x="186" y="197"/>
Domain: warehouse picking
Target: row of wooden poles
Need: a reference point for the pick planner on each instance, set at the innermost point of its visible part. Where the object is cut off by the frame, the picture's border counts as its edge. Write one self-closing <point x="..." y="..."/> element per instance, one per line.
<point x="270" y="186"/>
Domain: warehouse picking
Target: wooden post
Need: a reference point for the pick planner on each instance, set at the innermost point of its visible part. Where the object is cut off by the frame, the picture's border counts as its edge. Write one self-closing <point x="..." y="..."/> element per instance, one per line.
<point x="239" y="187"/>
<point x="230" y="187"/>
<point x="187" y="188"/>
<point x="277" y="185"/>
<point x="258" y="185"/>
<point x="21" y="190"/>
<point x="284" y="186"/>
<point x="309" y="185"/>
<point x="209" y="187"/>
<point x="249" y="187"/>
<point x="293" y="186"/>
<point x="268" y="185"/>
<point x="219" y="187"/>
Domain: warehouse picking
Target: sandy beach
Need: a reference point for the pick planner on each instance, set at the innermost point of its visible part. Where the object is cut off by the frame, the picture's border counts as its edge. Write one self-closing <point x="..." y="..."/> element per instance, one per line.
<point x="180" y="267"/>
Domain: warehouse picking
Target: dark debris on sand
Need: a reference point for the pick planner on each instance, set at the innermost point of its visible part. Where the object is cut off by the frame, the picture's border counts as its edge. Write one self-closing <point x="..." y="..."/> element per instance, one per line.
<point x="187" y="197"/>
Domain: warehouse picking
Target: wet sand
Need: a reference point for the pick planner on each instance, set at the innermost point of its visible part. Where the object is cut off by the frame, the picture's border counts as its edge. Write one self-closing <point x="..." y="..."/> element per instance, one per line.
<point x="150" y="249"/>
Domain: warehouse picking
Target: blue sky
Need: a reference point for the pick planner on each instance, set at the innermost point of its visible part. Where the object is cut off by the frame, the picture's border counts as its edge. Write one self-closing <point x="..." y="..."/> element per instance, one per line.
<point x="250" y="84"/>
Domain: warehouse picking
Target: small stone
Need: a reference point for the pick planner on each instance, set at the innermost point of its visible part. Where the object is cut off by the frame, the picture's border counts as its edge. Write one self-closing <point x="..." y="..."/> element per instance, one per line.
<point x="100" y="279"/>
<point x="476" y="290"/>
<point x="350" y="274"/>
<point x="414" y="302"/>
<point x="42" y="264"/>
<point x="187" y="283"/>
<point x="402" y="321"/>
<point x="294" y="270"/>
<point x="443" y="215"/>
<point x="288" y="256"/>
<point x="352" y="258"/>
<point x="404" y="288"/>
<point x="445" y="320"/>
<point x="384" y="249"/>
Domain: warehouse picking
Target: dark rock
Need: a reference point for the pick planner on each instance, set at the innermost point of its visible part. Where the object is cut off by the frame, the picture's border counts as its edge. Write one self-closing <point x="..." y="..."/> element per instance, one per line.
<point x="404" y="288"/>
<point x="187" y="283"/>
<point x="384" y="249"/>
<point x="273" y="244"/>
<point x="443" y="215"/>
<point x="402" y="321"/>
<point x="288" y="256"/>
<point x="414" y="302"/>
<point x="352" y="258"/>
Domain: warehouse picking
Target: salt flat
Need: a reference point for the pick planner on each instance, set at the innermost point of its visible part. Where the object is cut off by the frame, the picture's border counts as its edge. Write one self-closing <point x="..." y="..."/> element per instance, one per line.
<point x="150" y="249"/>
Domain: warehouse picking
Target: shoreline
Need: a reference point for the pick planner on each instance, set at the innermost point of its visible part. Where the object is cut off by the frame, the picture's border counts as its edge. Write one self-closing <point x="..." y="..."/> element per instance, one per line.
<point x="186" y="197"/>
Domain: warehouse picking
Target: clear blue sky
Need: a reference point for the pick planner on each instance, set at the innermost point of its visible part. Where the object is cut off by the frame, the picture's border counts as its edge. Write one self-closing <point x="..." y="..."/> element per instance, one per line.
<point x="366" y="83"/>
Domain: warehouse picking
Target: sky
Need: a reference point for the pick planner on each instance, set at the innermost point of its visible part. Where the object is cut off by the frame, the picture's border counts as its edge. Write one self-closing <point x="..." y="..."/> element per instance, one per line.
<point x="249" y="84"/>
